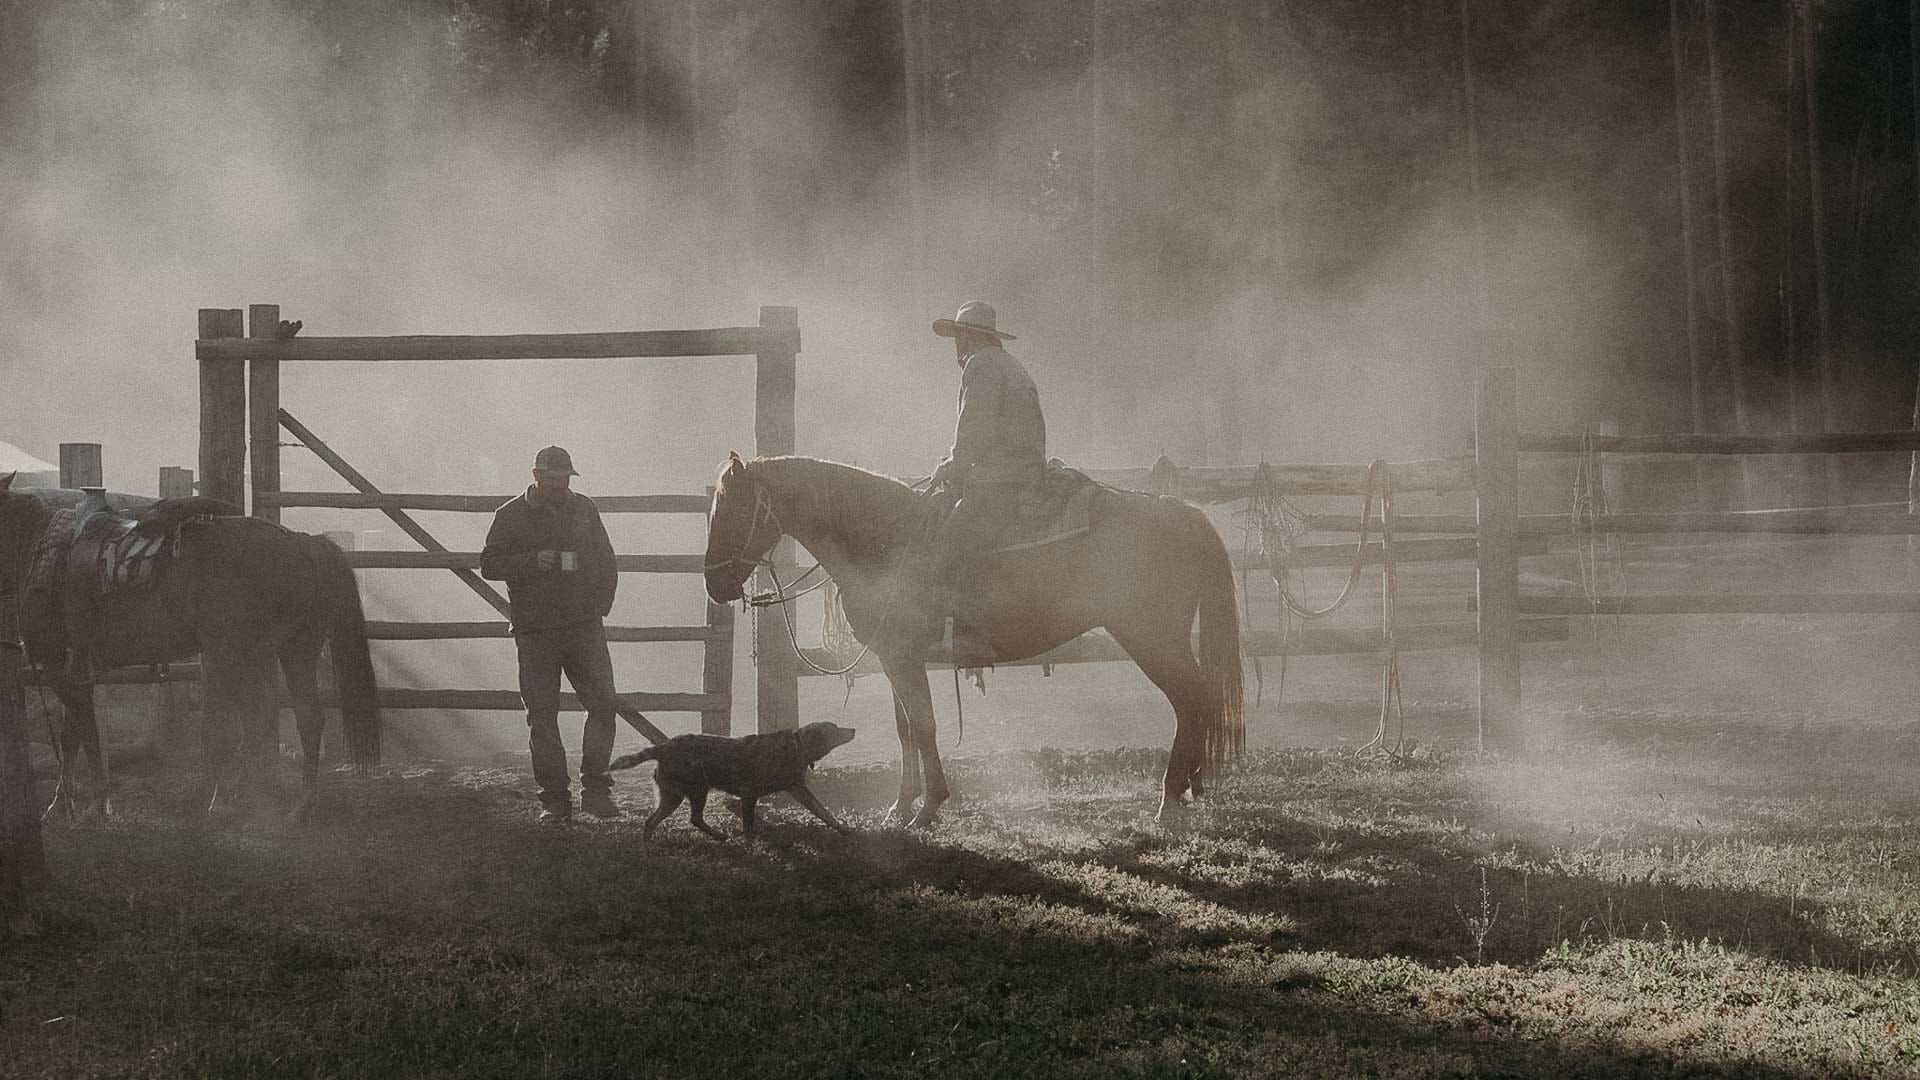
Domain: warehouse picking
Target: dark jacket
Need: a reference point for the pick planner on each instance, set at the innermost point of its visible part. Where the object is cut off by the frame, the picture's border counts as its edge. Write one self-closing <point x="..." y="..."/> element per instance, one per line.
<point x="541" y="599"/>
<point x="1000" y="436"/>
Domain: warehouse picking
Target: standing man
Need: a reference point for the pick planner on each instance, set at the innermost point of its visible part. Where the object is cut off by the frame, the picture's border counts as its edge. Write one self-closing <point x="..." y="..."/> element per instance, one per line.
<point x="999" y="450"/>
<point x="550" y="548"/>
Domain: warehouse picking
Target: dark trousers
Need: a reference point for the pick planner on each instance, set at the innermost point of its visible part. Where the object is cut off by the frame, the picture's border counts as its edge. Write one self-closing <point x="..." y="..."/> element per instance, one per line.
<point x="580" y="650"/>
<point x="967" y="540"/>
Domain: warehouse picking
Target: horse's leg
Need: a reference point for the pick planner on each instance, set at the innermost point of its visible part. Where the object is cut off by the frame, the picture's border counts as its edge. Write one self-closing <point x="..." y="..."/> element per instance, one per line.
<point x="909" y="679"/>
<point x="902" y="810"/>
<point x="81" y="716"/>
<point x="69" y="740"/>
<point x="301" y="668"/>
<point x="1171" y="665"/>
<point x="261" y="712"/>
<point x="225" y="738"/>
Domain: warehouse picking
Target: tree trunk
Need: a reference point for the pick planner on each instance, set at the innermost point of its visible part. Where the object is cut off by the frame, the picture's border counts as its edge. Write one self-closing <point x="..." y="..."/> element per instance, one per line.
<point x="913" y="79"/>
<point x="1723" y="215"/>
<point x="1696" y="371"/>
<point x="1913" y="50"/>
<point x="1817" y="229"/>
<point x="1483" y="291"/>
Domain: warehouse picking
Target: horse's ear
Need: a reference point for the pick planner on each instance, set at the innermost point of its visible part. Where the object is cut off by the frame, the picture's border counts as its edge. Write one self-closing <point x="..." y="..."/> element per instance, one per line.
<point x="734" y="464"/>
<point x="6" y="482"/>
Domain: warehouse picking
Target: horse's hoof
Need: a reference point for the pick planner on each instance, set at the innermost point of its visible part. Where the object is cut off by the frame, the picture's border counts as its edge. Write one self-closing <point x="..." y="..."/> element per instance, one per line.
<point x="897" y="815"/>
<point x="924" y="820"/>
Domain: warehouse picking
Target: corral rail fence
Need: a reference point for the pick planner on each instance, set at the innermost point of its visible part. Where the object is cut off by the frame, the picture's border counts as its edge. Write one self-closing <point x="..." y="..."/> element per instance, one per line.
<point x="1495" y="536"/>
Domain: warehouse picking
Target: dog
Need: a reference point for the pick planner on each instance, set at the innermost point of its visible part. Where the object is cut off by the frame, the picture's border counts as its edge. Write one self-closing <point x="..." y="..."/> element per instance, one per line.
<point x="748" y="767"/>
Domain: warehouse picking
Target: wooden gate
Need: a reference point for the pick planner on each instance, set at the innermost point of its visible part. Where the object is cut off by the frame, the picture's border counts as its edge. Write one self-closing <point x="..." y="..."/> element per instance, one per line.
<point x="241" y="420"/>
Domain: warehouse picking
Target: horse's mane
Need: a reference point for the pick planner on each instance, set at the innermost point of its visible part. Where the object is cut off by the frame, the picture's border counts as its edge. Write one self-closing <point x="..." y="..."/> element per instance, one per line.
<point x="863" y="508"/>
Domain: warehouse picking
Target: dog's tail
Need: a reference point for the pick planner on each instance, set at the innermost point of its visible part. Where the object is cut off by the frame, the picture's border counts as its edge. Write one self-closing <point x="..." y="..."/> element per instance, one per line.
<point x="628" y="761"/>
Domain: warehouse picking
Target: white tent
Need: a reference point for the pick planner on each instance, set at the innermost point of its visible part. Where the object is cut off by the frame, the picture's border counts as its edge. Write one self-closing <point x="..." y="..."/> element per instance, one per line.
<point x="32" y="472"/>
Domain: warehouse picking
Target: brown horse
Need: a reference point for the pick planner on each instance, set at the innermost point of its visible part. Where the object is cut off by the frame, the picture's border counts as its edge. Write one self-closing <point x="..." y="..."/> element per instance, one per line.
<point x="1142" y="572"/>
<point x="241" y="593"/>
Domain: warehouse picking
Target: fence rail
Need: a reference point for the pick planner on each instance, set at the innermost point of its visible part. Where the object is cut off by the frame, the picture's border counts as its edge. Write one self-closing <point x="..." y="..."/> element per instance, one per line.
<point x="1217" y="485"/>
<point x="1312" y="641"/>
<point x="722" y="341"/>
<point x="473" y="504"/>
<point x="1838" y="442"/>
<point x="470" y="560"/>
<point x="378" y="630"/>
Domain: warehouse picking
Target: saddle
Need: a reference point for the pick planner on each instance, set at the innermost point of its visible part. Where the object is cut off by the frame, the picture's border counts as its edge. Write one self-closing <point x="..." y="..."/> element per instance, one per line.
<point x="1057" y="507"/>
<point x="117" y="554"/>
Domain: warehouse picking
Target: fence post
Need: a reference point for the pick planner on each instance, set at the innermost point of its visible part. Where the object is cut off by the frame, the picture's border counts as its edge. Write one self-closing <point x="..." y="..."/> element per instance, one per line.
<point x="716" y="671"/>
<point x="223" y="413"/>
<point x="175" y="482"/>
<point x="773" y="433"/>
<point x="80" y="465"/>
<point x="716" y="675"/>
<point x="1496" y="442"/>
<point x="263" y="414"/>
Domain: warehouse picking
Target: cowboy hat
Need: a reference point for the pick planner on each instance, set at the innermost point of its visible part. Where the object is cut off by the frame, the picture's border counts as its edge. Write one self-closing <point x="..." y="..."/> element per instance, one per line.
<point x="975" y="316"/>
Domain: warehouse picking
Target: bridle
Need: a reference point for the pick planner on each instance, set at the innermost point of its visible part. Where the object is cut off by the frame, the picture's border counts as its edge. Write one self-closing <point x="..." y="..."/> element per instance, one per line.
<point x="762" y="509"/>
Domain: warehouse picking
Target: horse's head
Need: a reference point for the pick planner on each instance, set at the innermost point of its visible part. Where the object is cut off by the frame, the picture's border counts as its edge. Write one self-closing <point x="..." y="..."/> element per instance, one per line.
<point x="741" y="529"/>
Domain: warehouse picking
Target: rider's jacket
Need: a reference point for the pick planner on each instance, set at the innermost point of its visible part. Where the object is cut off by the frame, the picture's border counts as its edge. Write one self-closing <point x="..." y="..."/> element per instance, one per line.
<point x="1000" y="436"/>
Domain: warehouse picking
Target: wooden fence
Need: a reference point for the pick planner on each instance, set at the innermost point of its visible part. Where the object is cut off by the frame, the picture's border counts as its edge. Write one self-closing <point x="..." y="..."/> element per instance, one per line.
<point x="1495" y="545"/>
<point x="241" y="419"/>
<point x="1497" y="535"/>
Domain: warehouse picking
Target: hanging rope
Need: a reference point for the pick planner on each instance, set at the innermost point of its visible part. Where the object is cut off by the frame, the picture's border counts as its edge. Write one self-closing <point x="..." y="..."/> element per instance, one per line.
<point x="1602" y="574"/>
<point x="1282" y="523"/>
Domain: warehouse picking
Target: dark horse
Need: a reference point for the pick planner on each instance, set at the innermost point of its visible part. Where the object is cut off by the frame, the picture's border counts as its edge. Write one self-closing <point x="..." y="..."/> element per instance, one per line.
<point x="1142" y="571"/>
<point x="240" y="592"/>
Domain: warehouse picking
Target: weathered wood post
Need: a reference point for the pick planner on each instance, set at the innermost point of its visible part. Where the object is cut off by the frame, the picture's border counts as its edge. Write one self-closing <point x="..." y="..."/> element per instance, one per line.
<point x="174" y="697"/>
<point x="175" y="482"/>
<point x="716" y="669"/>
<point x="23" y="858"/>
<point x="1496" y="440"/>
<point x="773" y="427"/>
<point x="716" y="674"/>
<point x="223" y="413"/>
<point x="80" y="465"/>
<point x="263" y="414"/>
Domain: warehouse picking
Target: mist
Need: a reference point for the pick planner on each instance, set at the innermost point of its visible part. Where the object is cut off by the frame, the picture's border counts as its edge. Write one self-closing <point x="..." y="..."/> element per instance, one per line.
<point x="1284" y="253"/>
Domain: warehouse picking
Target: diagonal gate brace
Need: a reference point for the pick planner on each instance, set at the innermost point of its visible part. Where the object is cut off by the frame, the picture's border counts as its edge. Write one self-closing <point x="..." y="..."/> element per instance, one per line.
<point x="426" y="540"/>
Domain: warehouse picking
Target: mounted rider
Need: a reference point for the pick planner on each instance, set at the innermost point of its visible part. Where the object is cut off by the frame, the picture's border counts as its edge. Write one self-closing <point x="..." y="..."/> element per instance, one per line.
<point x="999" y="451"/>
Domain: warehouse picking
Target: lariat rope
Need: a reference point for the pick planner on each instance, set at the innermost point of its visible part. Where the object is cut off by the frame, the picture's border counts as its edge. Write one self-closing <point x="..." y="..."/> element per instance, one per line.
<point x="1277" y="538"/>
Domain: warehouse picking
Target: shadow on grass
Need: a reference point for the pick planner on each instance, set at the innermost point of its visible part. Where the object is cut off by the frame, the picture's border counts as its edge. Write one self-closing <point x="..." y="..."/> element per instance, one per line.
<point x="426" y="926"/>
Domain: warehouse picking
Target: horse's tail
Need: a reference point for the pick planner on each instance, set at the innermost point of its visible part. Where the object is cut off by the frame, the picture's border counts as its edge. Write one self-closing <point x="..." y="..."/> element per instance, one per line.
<point x="352" y="663"/>
<point x="1220" y="662"/>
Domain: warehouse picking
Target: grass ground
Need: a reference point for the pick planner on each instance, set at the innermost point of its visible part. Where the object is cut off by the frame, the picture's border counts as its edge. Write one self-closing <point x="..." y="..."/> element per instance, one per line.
<point x="1676" y="879"/>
